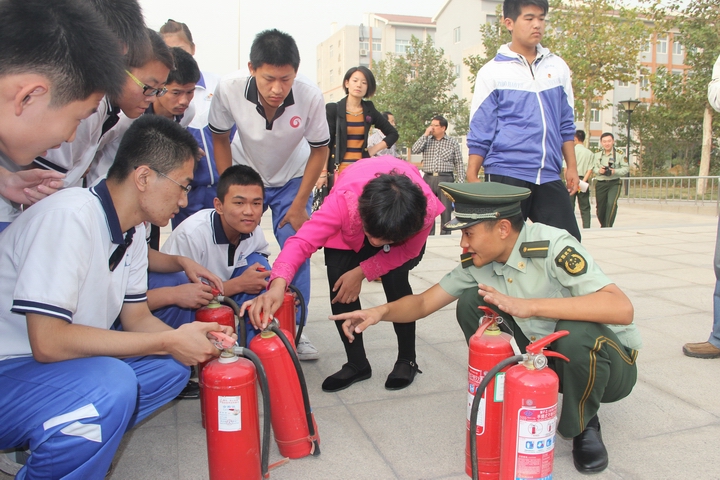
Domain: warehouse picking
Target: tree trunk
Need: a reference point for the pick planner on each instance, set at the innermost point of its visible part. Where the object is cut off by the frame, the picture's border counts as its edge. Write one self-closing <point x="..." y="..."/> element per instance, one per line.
<point x="586" y="123"/>
<point x="706" y="147"/>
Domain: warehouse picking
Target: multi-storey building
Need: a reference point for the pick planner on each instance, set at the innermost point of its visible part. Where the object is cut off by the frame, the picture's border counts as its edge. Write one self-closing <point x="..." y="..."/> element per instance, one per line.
<point x="354" y="45"/>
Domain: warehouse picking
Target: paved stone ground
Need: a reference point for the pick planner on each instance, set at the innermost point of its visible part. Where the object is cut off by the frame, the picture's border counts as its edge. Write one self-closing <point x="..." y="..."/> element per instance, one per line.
<point x="663" y="430"/>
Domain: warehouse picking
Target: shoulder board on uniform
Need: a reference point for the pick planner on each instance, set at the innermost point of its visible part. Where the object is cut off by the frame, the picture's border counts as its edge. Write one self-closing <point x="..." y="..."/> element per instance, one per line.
<point x="535" y="249"/>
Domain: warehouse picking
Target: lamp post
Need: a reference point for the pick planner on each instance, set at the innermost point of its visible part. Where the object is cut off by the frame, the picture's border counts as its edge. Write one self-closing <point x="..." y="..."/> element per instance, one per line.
<point x="629" y="106"/>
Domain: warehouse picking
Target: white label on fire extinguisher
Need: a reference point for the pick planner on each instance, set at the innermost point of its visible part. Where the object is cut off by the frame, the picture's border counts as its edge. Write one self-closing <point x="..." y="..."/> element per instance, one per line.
<point x="229" y="414"/>
<point x="476" y="376"/>
<point x="536" y="442"/>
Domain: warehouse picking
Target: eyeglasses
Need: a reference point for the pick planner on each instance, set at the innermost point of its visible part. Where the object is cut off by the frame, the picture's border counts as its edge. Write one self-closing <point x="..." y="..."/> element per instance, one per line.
<point x="185" y="188"/>
<point x="119" y="252"/>
<point x="148" y="91"/>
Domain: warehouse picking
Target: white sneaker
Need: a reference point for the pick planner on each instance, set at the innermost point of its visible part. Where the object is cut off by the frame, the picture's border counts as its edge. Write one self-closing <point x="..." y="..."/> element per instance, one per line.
<point x="306" y="350"/>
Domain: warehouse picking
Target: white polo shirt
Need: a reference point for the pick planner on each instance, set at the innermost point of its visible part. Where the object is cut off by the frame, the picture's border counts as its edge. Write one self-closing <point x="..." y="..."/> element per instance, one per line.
<point x="278" y="151"/>
<point x="202" y="238"/>
<point x="54" y="260"/>
<point x="72" y="159"/>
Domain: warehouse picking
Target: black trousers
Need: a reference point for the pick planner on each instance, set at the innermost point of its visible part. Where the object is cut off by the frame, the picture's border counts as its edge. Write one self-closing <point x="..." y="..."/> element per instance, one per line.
<point x="396" y="285"/>
<point x="434" y="184"/>
<point x="548" y="203"/>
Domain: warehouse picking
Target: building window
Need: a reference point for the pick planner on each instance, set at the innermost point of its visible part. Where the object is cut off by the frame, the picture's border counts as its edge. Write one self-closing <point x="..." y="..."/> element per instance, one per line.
<point x="662" y="44"/>
<point x="456" y="35"/>
<point x="646" y="46"/>
<point x="364" y="45"/>
<point x="331" y="51"/>
<point x="401" y="46"/>
<point x="331" y="75"/>
<point x="595" y="113"/>
<point x="644" y="82"/>
<point x="377" y="46"/>
<point x="457" y="70"/>
<point x="677" y="46"/>
<point x="622" y="84"/>
<point x="677" y="72"/>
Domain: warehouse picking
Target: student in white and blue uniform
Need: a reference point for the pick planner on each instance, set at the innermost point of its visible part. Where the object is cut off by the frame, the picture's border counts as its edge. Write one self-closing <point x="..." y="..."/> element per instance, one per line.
<point x="282" y="133"/>
<point x="227" y="240"/>
<point x="69" y="266"/>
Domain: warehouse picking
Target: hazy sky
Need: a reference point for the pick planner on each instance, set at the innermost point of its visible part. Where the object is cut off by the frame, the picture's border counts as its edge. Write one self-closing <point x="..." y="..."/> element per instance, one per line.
<point x="217" y="23"/>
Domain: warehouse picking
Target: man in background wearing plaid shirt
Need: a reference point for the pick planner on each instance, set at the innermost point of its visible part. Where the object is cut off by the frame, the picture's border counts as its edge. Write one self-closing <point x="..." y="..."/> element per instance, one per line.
<point x="442" y="162"/>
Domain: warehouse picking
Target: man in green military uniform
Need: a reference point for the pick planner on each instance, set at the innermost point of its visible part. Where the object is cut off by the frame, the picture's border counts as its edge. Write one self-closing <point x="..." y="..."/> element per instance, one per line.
<point x="608" y="170"/>
<point x="540" y="279"/>
<point x="585" y="162"/>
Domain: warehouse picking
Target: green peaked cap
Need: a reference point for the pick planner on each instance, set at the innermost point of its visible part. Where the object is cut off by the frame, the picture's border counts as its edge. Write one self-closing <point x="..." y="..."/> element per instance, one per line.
<point x="475" y="202"/>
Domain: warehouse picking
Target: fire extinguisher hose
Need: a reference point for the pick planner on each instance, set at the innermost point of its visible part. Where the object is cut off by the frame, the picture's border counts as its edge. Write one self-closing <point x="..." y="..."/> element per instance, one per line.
<point x="262" y="378"/>
<point x="241" y="321"/>
<point x="303" y="312"/>
<point x="476" y="406"/>
<point x="303" y="386"/>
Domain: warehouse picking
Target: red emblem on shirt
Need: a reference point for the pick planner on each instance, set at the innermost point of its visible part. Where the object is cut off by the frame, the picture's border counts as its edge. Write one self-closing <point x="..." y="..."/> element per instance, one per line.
<point x="295" y="122"/>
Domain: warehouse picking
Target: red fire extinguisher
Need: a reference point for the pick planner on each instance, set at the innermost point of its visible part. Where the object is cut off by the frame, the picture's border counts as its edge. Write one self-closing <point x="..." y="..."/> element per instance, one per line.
<point x="530" y="414"/>
<point x="292" y="419"/>
<point x="224" y="315"/>
<point x="487" y="347"/>
<point x="231" y="411"/>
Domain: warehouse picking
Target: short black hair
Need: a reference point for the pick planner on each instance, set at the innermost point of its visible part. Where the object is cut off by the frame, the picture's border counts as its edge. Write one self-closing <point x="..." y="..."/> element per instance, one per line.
<point x="171" y="26"/>
<point x="580" y="135"/>
<point x="392" y="207"/>
<point x="160" y="51"/>
<point x="186" y="68"/>
<point x="65" y="41"/>
<point x="516" y="222"/>
<point x="369" y="78"/>
<point x="125" y="19"/>
<point x="607" y="134"/>
<point x="155" y="141"/>
<point x="238" y="175"/>
<point x="387" y="114"/>
<point x="443" y="122"/>
<point x="273" y="47"/>
<point x="513" y="8"/>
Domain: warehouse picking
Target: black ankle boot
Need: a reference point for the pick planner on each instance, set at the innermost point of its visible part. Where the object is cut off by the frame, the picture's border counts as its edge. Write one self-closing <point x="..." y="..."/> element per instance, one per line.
<point x="347" y="375"/>
<point x="589" y="453"/>
<point x="402" y="375"/>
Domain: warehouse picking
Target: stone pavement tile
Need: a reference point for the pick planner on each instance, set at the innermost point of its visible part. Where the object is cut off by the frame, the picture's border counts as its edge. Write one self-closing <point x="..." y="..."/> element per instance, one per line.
<point x="148" y="454"/>
<point x="692" y="382"/>
<point x="694" y="296"/>
<point x="640" y="281"/>
<point x="441" y="327"/>
<point x="700" y="275"/>
<point x="420" y="437"/>
<point x="650" y="308"/>
<point x="682" y="454"/>
<point x="347" y="452"/>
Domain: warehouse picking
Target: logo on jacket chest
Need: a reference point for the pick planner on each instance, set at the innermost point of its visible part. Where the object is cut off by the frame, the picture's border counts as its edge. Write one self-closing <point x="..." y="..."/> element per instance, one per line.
<point x="295" y="121"/>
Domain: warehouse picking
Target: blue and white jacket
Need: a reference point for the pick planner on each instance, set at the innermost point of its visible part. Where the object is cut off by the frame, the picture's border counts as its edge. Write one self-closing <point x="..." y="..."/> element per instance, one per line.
<point x="521" y="115"/>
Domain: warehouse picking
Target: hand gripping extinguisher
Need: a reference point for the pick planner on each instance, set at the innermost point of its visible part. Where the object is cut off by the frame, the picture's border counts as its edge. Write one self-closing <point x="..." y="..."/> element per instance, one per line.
<point x="292" y="419"/>
<point x="231" y="412"/>
<point x="287" y="313"/>
<point x="487" y="347"/>
<point x="530" y="414"/>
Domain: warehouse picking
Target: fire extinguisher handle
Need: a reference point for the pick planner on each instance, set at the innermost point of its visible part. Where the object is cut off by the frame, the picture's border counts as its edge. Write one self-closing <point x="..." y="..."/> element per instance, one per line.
<point x="215" y="292"/>
<point x="557" y="355"/>
<point x="537" y="347"/>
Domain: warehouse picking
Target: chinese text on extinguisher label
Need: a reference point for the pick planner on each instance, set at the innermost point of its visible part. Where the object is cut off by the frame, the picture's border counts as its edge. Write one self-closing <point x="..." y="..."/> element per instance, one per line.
<point x="229" y="414"/>
<point x="536" y="442"/>
<point x="476" y="376"/>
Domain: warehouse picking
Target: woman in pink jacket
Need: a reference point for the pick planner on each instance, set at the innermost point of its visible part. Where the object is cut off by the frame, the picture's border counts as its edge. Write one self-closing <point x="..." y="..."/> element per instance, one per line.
<point x="374" y="223"/>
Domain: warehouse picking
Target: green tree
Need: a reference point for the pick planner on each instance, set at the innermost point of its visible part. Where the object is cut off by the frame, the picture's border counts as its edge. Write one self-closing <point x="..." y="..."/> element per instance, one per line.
<point x="699" y="26"/>
<point x="415" y="87"/>
<point x="600" y="40"/>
